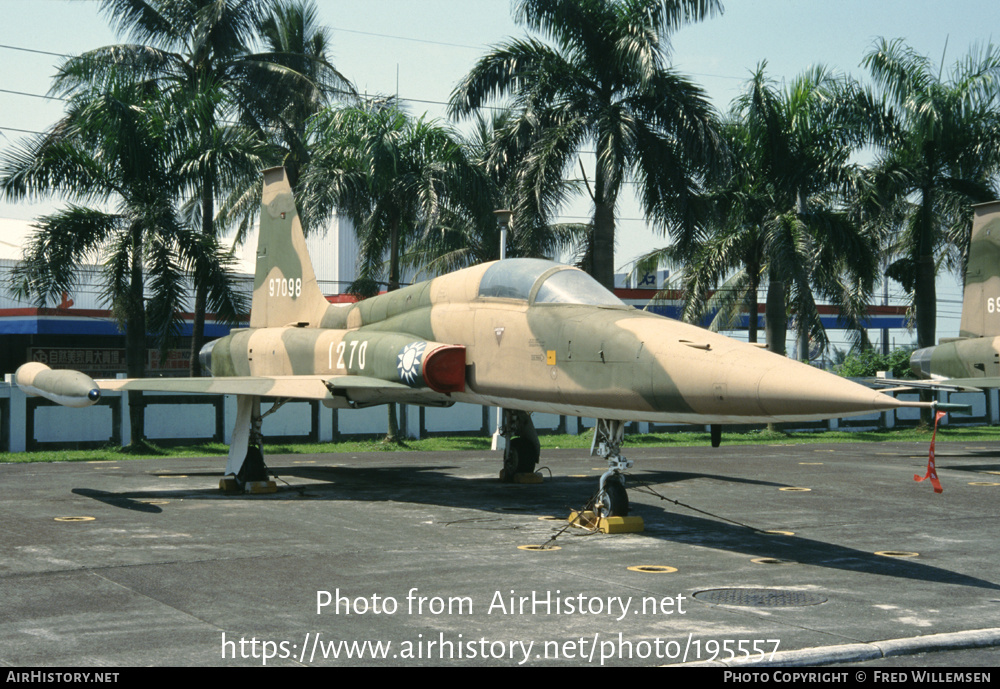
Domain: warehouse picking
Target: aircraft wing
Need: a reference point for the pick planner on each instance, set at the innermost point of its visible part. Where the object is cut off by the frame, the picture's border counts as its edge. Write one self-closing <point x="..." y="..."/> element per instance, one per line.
<point x="304" y="387"/>
<point x="343" y="391"/>
<point x="75" y="389"/>
<point x="942" y="385"/>
<point x="971" y="384"/>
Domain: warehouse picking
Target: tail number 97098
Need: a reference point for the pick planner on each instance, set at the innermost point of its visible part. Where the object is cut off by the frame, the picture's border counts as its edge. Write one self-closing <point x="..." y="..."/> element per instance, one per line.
<point x="281" y="287"/>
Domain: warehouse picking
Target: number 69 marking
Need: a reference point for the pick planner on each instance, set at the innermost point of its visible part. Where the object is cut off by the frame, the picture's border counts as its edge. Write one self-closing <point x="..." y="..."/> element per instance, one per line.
<point x="993" y="304"/>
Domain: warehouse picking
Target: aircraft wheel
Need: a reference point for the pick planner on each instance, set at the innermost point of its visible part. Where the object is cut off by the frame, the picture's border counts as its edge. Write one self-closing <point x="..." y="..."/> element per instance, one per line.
<point x="520" y="457"/>
<point x="613" y="502"/>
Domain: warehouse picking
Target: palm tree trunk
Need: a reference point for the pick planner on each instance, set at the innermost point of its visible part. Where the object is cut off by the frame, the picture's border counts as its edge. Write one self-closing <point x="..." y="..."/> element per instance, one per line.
<point x="392" y="432"/>
<point x="198" y="324"/>
<point x="393" y="257"/>
<point x="775" y="318"/>
<point x="753" y="271"/>
<point x="802" y="331"/>
<point x="603" y="253"/>
<point x="135" y="340"/>
<point x="803" y="338"/>
<point x="200" y="288"/>
<point x="925" y="290"/>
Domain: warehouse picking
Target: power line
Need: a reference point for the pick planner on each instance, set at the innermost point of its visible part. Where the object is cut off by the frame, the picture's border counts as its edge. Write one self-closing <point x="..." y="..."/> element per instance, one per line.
<point x="406" y="38"/>
<point x="480" y="47"/>
<point x="32" y="50"/>
<point x="20" y="131"/>
<point x="31" y="95"/>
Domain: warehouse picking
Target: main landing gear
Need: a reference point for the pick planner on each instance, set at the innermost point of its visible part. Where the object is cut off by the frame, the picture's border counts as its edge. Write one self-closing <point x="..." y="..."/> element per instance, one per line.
<point x="612" y="498"/>
<point x="245" y="468"/>
<point x="522" y="449"/>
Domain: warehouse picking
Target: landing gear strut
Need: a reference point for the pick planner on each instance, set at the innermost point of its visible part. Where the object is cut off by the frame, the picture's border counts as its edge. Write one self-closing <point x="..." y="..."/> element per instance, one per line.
<point x="612" y="498"/>
<point x="522" y="450"/>
<point x="245" y="467"/>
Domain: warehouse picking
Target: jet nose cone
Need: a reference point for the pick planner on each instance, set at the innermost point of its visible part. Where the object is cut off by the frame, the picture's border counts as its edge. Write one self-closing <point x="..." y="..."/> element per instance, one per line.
<point x="801" y="391"/>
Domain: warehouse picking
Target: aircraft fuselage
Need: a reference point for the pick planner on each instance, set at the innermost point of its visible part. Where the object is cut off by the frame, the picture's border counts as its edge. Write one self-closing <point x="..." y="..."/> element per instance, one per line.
<point x="603" y="360"/>
<point x="977" y="357"/>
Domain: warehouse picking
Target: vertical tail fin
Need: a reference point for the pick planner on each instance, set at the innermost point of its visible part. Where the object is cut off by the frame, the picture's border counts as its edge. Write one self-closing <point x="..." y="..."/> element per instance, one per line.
<point x="285" y="291"/>
<point x="981" y="304"/>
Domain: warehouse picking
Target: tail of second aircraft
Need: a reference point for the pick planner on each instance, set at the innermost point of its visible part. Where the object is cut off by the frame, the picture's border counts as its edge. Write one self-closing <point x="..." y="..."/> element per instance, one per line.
<point x="981" y="305"/>
<point x="285" y="291"/>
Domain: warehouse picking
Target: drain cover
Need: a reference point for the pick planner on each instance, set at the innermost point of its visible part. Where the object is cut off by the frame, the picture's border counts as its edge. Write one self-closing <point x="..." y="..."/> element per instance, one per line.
<point x="760" y="598"/>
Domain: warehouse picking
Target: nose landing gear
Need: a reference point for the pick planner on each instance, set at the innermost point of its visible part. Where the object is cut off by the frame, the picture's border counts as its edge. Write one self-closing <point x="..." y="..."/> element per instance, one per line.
<point x="612" y="498"/>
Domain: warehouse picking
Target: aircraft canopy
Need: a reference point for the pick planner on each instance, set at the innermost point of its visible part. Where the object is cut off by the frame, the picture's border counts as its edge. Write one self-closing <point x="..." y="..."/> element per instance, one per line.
<point x="544" y="282"/>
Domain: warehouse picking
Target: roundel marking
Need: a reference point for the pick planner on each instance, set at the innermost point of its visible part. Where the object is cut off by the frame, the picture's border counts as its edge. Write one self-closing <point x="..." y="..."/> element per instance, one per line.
<point x="408" y="364"/>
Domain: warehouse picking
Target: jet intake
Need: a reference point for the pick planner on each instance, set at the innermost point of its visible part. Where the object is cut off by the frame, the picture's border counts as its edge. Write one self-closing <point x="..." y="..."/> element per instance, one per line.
<point x="205" y="358"/>
<point x="418" y="363"/>
<point x="444" y="369"/>
<point x="68" y="388"/>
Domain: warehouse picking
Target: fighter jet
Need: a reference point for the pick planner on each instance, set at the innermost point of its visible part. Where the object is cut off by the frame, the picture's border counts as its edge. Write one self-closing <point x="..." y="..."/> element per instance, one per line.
<point x="972" y="360"/>
<point x="527" y="335"/>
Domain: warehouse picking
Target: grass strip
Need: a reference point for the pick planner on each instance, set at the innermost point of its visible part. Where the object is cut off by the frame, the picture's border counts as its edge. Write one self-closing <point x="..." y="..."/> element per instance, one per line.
<point x="548" y="442"/>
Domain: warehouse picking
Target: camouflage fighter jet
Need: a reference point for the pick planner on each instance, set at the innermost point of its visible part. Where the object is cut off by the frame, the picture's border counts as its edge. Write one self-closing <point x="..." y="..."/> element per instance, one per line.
<point x="526" y="335"/>
<point x="972" y="360"/>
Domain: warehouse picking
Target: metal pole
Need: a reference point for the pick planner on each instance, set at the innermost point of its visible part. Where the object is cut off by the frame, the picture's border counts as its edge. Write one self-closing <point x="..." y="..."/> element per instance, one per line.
<point x="503" y="220"/>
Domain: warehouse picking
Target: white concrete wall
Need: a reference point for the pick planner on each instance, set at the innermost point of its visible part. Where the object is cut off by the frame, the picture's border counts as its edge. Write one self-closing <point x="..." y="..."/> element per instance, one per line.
<point x="54" y="424"/>
<point x="169" y="421"/>
<point x="91" y="424"/>
<point x="459" y="418"/>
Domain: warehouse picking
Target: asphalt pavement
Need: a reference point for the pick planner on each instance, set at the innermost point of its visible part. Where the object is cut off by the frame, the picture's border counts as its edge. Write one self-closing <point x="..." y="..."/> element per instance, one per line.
<point x="798" y="555"/>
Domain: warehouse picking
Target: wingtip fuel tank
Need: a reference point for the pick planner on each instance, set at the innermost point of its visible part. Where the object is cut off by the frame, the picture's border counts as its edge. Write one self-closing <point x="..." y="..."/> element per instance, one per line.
<point x="65" y="387"/>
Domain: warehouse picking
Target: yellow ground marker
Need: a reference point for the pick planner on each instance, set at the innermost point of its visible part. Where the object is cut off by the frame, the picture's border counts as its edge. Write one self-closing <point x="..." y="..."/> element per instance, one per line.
<point x="588" y="520"/>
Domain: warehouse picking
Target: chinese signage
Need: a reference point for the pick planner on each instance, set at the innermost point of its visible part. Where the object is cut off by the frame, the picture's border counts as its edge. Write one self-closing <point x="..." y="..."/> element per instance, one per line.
<point x="108" y="360"/>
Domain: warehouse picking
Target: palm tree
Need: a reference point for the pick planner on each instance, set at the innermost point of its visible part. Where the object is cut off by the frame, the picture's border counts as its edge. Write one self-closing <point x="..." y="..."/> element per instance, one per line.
<point x="392" y="175"/>
<point x="200" y="53"/>
<point x="939" y="151"/>
<point x="723" y="269"/>
<point x="804" y="142"/>
<point x="467" y="232"/>
<point x="780" y="213"/>
<point x="294" y="39"/>
<point x="114" y="148"/>
<point x="395" y="177"/>
<point x="603" y="81"/>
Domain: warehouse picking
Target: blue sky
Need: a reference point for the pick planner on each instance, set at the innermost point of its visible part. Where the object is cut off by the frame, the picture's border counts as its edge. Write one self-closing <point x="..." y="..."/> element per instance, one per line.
<point x="426" y="46"/>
